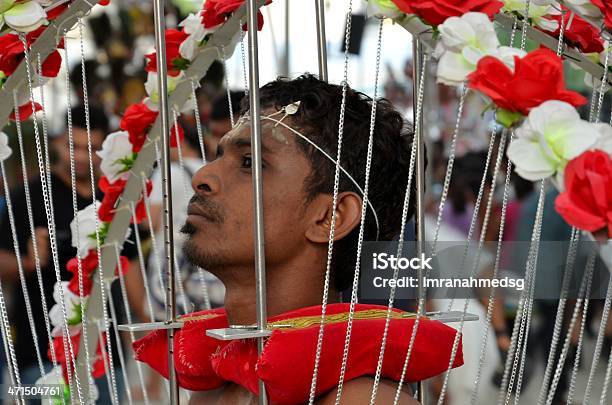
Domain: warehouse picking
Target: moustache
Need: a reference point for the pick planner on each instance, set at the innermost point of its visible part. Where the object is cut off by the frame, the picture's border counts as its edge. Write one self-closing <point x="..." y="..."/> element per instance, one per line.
<point x="205" y="208"/>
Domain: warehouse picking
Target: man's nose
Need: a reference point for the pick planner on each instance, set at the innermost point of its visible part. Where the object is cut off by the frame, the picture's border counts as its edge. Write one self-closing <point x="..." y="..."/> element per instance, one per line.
<point x="206" y="181"/>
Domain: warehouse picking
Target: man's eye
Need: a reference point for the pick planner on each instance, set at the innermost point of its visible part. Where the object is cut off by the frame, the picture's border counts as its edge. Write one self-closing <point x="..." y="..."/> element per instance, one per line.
<point x="246" y="162"/>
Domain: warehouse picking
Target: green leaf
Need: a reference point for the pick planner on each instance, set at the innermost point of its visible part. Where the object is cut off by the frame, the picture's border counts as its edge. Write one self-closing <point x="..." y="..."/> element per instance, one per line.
<point x="508" y="118"/>
<point x="180" y="63"/>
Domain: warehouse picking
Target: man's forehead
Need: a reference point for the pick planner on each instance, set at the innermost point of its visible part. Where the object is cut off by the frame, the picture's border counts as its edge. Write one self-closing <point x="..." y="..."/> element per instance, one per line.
<point x="273" y="136"/>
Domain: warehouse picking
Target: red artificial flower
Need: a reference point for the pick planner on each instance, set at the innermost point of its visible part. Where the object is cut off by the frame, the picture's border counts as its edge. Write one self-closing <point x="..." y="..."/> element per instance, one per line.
<point x="586" y="202"/>
<point x="216" y="12"/>
<point x="89" y="264"/>
<point x="537" y="77"/>
<point x="111" y="191"/>
<point x="12" y="53"/>
<point x="435" y="12"/>
<point x="605" y="6"/>
<point x="25" y="111"/>
<point x="137" y="121"/>
<point x="174" y="60"/>
<point x="65" y="360"/>
<point x="55" y="12"/>
<point x="141" y="211"/>
<point x="580" y="34"/>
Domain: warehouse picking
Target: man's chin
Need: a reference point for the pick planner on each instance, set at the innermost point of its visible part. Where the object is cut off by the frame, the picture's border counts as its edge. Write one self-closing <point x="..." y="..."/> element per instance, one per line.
<point x="194" y="254"/>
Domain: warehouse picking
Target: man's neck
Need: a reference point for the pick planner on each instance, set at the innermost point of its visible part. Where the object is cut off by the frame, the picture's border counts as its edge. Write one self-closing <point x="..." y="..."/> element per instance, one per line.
<point x="288" y="288"/>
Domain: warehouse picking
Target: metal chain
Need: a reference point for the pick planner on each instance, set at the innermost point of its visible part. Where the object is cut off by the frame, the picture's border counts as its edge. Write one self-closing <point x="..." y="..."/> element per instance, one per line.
<point x="568" y="336"/>
<point x="75" y="211"/>
<point x="525" y="24"/>
<point x="569" y="271"/>
<point x="607" y="378"/>
<point x="201" y="275"/>
<point x="37" y="264"/>
<point x="561" y="33"/>
<point x="513" y="32"/>
<point x="421" y="300"/>
<point x="113" y="379"/>
<point x="585" y="308"/>
<point x="47" y="160"/>
<point x="244" y="67"/>
<point x="7" y="341"/>
<point x="483" y="232"/>
<point x="330" y="246"/>
<point x="156" y="255"/>
<point x="186" y="195"/>
<point x="604" y="80"/>
<point x="196" y="113"/>
<point x="115" y="321"/>
<point x="45" y="138"/>
<point x="5" y="321"/>
<point x="227" y="89"/>
<point x="128" y="315"/>
<point x="526" y="297"/>
<point x="529" y="313"/>
<point x="141" y="262"/>
<point x="474" y="219"/>
<point x="364" y="208"/>
<point x="485" y="336"/>
<point x="47" y="198"/>
<point x="599" y="343"/>
<point x="449" y="168"/>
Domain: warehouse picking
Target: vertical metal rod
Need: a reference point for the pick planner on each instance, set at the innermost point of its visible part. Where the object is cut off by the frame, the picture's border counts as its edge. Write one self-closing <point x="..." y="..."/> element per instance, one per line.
<point x="254" y="109"/>
<point x="417" y="54"/>
<point x="285" y="66"/>
<point x="321" y="40"/>
<point x="162" y="85"/>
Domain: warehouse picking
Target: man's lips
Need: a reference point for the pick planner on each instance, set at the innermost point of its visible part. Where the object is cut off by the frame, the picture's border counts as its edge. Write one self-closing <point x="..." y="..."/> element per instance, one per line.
<point x="195" y="210"/>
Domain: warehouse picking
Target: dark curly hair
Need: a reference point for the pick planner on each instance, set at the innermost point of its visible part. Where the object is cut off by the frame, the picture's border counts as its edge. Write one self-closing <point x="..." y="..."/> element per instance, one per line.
<point x="318" y="119"/>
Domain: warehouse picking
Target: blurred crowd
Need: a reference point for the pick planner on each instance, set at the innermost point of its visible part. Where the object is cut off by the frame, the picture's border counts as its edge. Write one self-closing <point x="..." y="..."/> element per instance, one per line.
<point x="115" y="80"/>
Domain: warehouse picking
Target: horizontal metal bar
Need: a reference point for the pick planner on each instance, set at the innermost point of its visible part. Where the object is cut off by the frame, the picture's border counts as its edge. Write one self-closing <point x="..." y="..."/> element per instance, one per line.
<point x="237" y="333"/>
<point x="150" y="326"/>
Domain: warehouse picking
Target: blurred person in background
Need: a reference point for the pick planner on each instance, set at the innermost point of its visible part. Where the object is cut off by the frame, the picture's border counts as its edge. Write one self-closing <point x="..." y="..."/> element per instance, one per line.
<point x="61" y="192"/>
<point x="219" y="121"/>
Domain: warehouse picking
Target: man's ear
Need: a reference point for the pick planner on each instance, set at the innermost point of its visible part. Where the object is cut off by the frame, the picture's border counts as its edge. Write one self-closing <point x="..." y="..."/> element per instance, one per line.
<point x="348" y="215"/>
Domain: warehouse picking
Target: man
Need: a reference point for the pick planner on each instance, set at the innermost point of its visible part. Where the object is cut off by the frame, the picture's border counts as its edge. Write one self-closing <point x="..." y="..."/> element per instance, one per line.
<point x="298" y="180"/>
<point x="61" y="190"/>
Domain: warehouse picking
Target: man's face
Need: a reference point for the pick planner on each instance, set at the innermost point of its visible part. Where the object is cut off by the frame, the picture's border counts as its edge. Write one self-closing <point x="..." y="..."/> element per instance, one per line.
<point x="220" y="215"/>
<point x="81" y="153"/>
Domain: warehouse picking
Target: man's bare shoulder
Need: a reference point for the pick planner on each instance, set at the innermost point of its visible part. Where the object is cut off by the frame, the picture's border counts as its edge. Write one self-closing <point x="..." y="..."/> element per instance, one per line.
<point x="359" y="391"/>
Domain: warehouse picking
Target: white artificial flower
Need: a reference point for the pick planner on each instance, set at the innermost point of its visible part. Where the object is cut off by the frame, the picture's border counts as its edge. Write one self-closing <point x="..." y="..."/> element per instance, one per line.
<point x="538" y="11"/>
<point x="383" y="9"/>
<point x="5" y="149"/>
<point x="87" y="229"/>
<point x="45" y="3"/>
<point x="551" y="135"/>
<point x="507" y="53"/>
<point x="193" y="26"/>
<point x="152" y="102"/>
<point x="116" y="155"/>
<point x="585" y="8"/>
<point x="604" y="142"/>
<point x="25" y="17"/>
<point x="463" y="42"/>
<point x="72" y="302"/>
